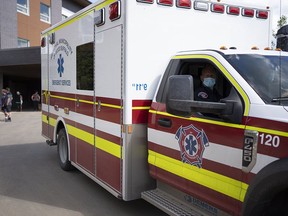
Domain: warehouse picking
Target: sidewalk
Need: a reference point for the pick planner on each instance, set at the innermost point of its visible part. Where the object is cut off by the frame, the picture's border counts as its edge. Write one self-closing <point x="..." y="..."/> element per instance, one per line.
<point x="24" y="128"/>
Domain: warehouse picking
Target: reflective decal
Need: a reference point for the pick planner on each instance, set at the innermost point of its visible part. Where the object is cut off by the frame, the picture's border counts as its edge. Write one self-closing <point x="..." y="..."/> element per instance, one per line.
<point x="249" y="150"/>
<point x="203" y="95"/>
<point x="192" y="142"/>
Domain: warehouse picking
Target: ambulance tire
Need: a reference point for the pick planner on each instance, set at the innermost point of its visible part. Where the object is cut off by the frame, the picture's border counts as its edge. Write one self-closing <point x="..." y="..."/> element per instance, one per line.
<point x="62" y="148"/>
<point x="267" y="193"/>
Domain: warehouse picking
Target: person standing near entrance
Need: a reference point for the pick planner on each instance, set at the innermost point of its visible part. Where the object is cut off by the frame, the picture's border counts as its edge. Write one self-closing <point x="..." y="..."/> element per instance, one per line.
<point x="19" y="101"/>
<point x="6" y="101"/>
<point x="36" y="99"/>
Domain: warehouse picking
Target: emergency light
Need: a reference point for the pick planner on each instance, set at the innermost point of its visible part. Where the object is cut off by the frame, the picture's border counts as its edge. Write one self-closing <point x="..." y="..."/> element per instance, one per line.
<point x="183" y="3"/>
<point x="99" y="17"/>
<point x="262" y="14"/>
<point x="247" y="12"/>
<point x="146" y="1"/>
<point x="202" y="6"/>
<point x="114" y="11"/>
<point x="217" y="8"/>
<point x="233" y="10"/>
<point x="214" y="7"/>
<point x="43" y="42"/>
<point x="165" y="2"/>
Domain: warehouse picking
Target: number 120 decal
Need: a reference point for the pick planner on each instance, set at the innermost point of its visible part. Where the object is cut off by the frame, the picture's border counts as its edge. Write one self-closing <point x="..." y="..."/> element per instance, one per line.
<point x="269" y="140"/>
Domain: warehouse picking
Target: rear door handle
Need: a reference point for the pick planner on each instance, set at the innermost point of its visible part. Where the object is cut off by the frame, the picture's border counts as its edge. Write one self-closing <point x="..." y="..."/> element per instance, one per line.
<point x="164" y="122"/>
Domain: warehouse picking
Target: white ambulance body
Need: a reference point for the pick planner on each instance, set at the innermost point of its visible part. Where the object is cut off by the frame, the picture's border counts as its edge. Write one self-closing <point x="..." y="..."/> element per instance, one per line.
<point x="101" y="69"/>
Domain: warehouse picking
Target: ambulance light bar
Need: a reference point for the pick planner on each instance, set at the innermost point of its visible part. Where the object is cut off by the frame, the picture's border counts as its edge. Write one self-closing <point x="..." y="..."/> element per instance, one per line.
<point x="262" y="14"/>
<point x="43" y="42"/>
<point x="165" y="2"/>
<point x="233" y="10"/>
<point x="146" y="1"/>
<point x="217" y="8"/>
<point x="114" y="11"/>
<point x="247" y="12"/>
<point x="202" y="6"/>
<point x="183" y="3"/>
<point x="99" y="17"/>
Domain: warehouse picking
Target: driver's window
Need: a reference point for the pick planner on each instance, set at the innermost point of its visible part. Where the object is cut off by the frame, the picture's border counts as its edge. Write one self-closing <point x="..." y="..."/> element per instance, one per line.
<point x="209" y="83"/>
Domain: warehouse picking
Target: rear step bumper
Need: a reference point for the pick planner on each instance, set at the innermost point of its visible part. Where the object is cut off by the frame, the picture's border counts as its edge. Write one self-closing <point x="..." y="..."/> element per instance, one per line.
<point x="50" y="143"/>
<point x="166" y="203"/>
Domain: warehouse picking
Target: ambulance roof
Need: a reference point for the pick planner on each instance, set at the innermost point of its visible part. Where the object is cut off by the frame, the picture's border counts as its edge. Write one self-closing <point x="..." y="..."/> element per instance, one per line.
<point x="236" y="51"/>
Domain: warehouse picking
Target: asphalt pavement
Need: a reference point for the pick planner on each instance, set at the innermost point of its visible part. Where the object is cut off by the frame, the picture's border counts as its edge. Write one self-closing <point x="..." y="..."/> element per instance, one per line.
<point x="32" y="183"/>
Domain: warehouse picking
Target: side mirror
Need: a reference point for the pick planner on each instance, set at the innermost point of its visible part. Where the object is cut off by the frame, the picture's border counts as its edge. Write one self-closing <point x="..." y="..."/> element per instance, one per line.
<point x="180" y="98"/>
<point x="180" y="101"/>
<point x="180" y="92"/>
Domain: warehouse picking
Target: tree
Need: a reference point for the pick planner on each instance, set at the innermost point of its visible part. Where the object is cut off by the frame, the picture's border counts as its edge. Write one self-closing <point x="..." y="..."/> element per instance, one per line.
<point x="280" y="23"/>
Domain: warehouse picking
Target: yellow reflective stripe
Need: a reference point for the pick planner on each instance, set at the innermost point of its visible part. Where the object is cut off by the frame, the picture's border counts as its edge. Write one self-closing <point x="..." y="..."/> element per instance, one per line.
<point x="80" y="134"/>
<point x="85" y="101"/>
<point x="52" y="121"/>
<point x="101" y="143"/>
<point x="208" y="121"/>
<point x="239" y="126"/>
<point x="44" y="119"/>
<point x="102" y="5"/>
<point x="111" y="106"/>
<point x="220" y="183"/>
<point x="68" y="22"/>
<point x="268" y="131"/>
<point x="105" y="145"/>
<point x="63" y="98"/>
<point x="141" y="108"/>
<point x="227" y="74"/>
<point x="85" y="13"/>
<point x="108" y="147"/>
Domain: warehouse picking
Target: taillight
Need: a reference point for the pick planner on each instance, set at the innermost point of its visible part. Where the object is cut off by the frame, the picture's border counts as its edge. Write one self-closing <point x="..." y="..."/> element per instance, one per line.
<point x="233" y="10"/>
<point x="262" y="14"/>
<point x="217" y="8"/>
<point x="146" y="1"/>
<point x="43" y="42"/>
<point x="115" y="11"/>
<point x="202" y="6"/>
<point x="183" y="3"/>
<point x="248" y="12"/>
<point x="166" y="2"/>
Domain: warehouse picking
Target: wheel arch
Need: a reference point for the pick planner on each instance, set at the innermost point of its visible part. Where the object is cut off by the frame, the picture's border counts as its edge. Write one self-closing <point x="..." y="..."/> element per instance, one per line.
<point x="267" y="184"/>
<point x="60" y="123"/>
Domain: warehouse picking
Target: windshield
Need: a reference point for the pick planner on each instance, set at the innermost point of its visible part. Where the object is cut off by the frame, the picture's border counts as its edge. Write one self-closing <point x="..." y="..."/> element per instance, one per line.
<point x="267" y="75"/>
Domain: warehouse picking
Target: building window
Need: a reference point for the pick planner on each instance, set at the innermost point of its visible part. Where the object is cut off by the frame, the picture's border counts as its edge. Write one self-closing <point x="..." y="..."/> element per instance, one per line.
<point x="23" y="6"/>
<point x="23" y="43"/>
<point x="44" y="13"/>
<point x="85" y="68"/>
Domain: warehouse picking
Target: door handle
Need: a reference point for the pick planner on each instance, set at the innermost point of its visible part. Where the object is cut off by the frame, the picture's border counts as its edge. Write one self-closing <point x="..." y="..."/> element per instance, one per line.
<point x="164" y="122"/>
<point x="77" y="102"/>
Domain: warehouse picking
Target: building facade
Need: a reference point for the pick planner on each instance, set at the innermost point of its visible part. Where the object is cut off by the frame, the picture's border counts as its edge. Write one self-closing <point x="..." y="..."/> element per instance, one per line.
<point x="21" y="24"/>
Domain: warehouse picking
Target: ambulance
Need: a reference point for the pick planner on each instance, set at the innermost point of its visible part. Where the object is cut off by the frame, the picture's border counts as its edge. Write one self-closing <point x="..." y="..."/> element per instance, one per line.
<point x="118" y="83"/>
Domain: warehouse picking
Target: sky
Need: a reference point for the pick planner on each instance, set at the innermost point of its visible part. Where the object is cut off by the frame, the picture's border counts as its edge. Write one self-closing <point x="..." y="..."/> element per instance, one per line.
<point x="278" y="8"/>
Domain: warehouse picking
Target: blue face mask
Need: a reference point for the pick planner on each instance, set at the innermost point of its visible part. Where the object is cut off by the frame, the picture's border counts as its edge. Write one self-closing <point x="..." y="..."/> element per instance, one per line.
<point x="209" y="82"/>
